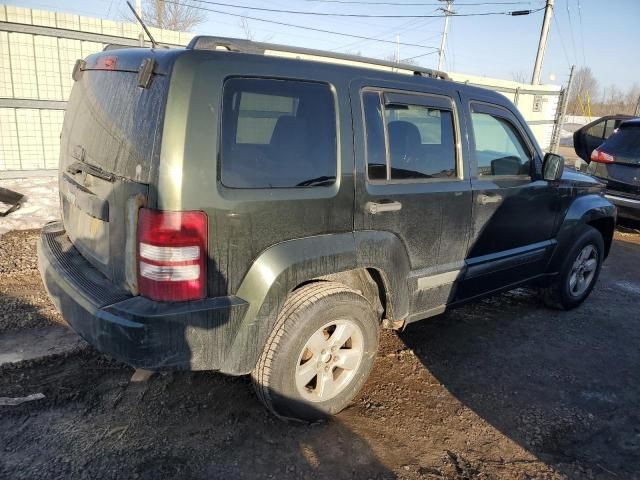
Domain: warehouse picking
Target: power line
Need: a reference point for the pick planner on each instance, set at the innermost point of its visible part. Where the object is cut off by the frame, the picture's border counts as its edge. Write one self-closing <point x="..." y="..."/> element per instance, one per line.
<point x="357" y="15"/>
<point x="584" y="56"/>
<point x="303" y="27"/>
<point x="405" y="4"/>
<point x="404" y="26"/>
<point x="573" y="40"/>
<point x="418" y="56"/>
<point x="564" y="49"/>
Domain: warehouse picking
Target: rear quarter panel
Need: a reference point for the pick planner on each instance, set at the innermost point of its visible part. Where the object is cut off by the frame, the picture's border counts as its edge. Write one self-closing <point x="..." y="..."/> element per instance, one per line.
<point x="244" y="222"/>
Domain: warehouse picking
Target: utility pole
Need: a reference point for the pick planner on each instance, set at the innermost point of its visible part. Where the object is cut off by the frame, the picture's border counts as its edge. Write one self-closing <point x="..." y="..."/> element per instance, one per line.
<point x="397" y="48"/>
<point x="637" y="112"/>
<point x="447" y="11"/>
<point x="544" y="35"/>
<point x="562" y="112"/>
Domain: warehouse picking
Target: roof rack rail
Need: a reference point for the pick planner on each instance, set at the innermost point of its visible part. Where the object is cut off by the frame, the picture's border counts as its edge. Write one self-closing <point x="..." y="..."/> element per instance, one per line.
<point x="205" y="42"/>
<point x="118" y="46"/>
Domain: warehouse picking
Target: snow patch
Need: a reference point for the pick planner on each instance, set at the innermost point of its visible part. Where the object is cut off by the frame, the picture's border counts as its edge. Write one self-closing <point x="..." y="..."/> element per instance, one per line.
<point x="39" y="206"/>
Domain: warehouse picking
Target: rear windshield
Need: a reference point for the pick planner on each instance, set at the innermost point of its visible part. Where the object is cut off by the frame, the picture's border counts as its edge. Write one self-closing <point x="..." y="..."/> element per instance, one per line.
<point x="624" y="144"/>
<point x="114" y="121"/>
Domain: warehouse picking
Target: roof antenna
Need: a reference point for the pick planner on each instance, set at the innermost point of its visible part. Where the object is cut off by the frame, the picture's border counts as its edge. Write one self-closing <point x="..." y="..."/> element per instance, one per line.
<point x="153" y="40"/>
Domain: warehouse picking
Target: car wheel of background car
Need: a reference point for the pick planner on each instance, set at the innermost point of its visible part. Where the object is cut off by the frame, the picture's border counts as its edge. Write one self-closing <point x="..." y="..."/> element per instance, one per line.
<point x="319" y="354"/>
<point x="579" y="272"/>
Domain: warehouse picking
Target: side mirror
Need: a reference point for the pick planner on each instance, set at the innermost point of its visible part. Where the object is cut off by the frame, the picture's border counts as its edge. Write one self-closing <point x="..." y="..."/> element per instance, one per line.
<point x="552" y="167"/>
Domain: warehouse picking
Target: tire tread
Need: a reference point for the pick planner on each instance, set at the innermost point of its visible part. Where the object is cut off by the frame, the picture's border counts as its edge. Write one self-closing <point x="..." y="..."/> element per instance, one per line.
<point x="297" y="301"/>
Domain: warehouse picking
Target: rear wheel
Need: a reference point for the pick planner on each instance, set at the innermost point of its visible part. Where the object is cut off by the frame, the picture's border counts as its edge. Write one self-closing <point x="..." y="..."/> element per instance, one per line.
<point x="579" y="272"/>
<point x="319" y="354"/>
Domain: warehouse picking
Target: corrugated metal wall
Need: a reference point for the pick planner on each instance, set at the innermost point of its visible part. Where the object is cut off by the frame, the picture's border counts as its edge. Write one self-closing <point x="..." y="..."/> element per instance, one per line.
<point x="38" y="50"/>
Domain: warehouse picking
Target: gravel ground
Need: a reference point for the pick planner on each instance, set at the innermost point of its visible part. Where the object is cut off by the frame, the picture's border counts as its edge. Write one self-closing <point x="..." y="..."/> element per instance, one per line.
<point x="23" y="302"/>
<point x="504" y="388"/>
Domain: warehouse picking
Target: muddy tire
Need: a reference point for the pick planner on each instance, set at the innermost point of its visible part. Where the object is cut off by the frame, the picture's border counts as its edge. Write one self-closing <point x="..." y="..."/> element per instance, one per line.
<point x="319" y="353"/>
<point x="579" y="272"/>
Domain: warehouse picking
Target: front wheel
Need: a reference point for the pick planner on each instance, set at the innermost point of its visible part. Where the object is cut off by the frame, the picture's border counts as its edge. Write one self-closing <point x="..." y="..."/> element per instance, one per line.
<point x="319" y="354"/>
<point x="579" y="272"/>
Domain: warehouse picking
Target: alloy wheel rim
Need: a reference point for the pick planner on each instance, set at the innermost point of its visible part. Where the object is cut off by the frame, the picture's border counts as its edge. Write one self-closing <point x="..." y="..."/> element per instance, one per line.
<point x="329" y="360"/>
<point x="583" y="270"/>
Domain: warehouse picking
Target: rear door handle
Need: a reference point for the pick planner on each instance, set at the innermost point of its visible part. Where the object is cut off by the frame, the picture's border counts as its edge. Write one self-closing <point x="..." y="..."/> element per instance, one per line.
<point x="374" y="208"/>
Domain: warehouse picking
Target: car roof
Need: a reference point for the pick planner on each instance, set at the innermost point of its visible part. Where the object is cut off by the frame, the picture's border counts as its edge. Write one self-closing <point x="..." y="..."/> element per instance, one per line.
<point x="357" y="66"/>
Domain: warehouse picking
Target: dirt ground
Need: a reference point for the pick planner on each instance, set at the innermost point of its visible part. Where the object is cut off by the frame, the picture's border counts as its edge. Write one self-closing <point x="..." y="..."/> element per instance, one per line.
<point x="505" y="388"/>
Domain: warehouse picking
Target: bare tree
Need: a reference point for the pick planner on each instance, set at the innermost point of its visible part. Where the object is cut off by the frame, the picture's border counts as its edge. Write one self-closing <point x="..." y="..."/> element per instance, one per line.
<point x="249" y="34"/>
<point x="181" y="16"/>
<point x="585" y="87"/>
<point x="519" y="76"/>
<point x="246" y="29"/>
<point x="392" y="58"/>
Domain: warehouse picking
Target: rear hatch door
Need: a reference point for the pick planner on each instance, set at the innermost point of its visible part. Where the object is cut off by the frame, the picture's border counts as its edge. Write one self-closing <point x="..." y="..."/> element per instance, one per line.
<point x="109" y="151"/>
<point x="623" y="175"/>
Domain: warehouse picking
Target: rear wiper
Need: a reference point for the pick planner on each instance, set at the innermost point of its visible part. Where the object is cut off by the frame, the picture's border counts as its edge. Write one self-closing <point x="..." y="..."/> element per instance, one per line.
<point x="318" y="181"/>
<point x="77" y="167"/>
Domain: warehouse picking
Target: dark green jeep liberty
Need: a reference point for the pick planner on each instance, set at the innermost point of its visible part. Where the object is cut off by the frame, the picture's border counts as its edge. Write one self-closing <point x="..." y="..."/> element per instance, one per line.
<point x="257" y="209"/>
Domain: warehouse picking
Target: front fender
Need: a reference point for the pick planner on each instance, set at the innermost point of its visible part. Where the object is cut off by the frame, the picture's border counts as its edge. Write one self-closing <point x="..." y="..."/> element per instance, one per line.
<point x="284" y="266"/>
<point x="584" y="210"/>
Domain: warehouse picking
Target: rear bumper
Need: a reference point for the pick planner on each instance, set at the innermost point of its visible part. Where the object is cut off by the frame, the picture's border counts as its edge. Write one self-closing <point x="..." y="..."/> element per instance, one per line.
<point x="627" y="207"/>
<point x="135" y="330"/>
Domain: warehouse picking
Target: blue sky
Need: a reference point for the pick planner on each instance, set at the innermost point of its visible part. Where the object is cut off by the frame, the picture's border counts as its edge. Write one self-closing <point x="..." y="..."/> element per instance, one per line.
<point x="605" y="36"/>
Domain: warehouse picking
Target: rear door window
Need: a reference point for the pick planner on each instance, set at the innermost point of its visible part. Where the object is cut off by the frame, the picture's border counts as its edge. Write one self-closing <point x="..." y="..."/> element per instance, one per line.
<point x="409" y="137"/>
<point x="277" y="134"/>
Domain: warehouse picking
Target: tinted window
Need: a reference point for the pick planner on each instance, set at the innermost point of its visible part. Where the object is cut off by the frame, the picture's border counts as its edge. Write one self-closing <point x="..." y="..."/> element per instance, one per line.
<point x="610" y="126"/>
<point x="277" y="133"/>
<point x="597" y="130"/>
<point x="421" y="143"/>
<point x="376" y="149"/>
<point x="420" y="140"/>
<point x="624" y="144"/>
<point x="115" y="121"/>
<point x="499" y="148"/>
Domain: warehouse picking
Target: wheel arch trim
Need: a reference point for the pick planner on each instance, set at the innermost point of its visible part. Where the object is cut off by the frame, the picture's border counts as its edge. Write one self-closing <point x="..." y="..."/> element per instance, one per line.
<point x="282" y="267"/>
<point x="593" y="210"/>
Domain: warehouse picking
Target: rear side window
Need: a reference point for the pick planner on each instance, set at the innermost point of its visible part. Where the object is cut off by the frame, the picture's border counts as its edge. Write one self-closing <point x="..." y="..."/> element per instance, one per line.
<point x="277" y="134"/>
<point x="500" y="150"/>
<point x="415" y="141"/>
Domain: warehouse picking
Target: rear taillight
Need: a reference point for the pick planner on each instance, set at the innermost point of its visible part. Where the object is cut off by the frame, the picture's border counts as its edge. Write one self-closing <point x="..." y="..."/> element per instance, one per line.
<point x="602" y="157"/>
<point x="172" y="255"/>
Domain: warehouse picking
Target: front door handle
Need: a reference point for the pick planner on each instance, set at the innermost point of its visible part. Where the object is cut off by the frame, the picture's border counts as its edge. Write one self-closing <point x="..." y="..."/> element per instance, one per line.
<point x="374" y="208"/>
<point x="488" y="199"/>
